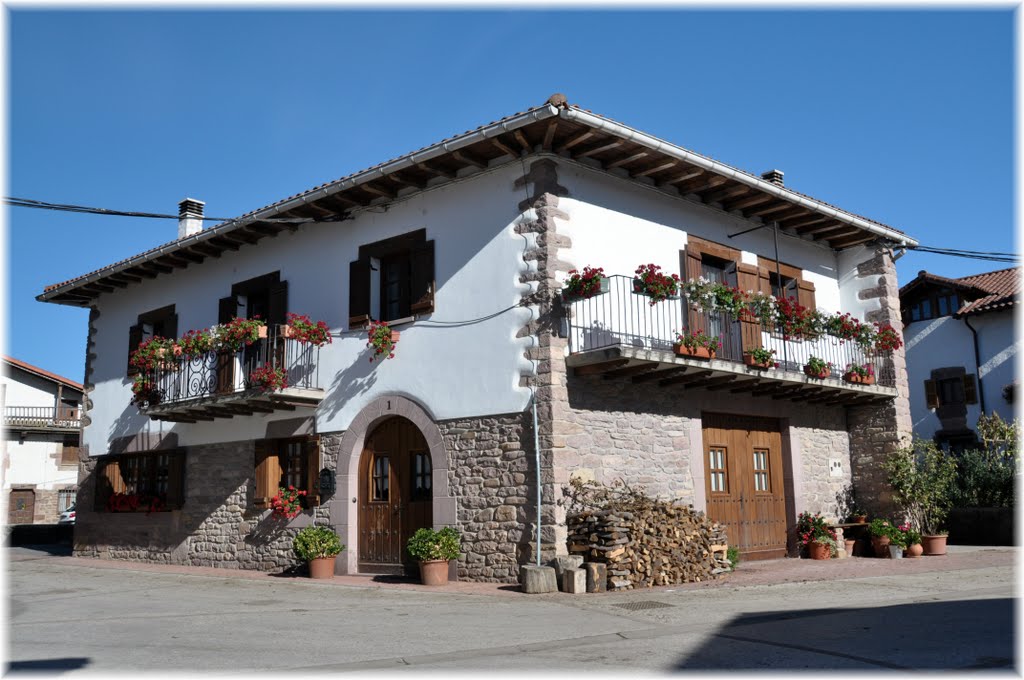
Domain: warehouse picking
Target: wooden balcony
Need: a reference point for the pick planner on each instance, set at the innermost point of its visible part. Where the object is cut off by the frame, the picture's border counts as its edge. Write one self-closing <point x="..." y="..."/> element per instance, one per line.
<point x="42" y="418"/>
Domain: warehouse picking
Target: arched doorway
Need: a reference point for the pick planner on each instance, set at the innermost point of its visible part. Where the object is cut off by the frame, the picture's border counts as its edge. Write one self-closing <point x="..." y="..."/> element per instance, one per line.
<point x="395" y="495"/>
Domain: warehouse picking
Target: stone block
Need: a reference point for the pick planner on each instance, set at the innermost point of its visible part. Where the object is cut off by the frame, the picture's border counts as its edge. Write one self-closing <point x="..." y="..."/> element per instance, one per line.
<point x="560" y="564"/>
<point x="574" y="581"/>
<point x="534" y="579"/>
<point x="597" y="577"/>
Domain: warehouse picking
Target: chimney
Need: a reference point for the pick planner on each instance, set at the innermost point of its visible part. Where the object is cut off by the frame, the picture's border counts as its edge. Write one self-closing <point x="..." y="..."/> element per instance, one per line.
<point x="774" y="176"/>
<point x="190" y="217"/>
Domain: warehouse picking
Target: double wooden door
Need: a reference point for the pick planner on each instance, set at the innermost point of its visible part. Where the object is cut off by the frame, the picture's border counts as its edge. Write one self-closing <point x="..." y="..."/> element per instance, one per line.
<point x="744" y="482"/>
<point x="395" y="495"/>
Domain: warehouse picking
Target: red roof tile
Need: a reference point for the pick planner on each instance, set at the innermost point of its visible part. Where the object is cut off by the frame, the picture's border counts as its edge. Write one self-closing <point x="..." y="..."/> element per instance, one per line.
<point x="1002" y="285"/>
<point x="43" y="372"/>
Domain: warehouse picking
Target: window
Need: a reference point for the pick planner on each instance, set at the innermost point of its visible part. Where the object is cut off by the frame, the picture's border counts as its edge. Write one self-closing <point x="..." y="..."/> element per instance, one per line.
<point x="287" y="462"/>
<point x="142" y="476"/>
<point x="788" y="288"/>
<point x="65" y="499"/>
<point x="717" y="473"/>
<point x="762" y="478"/>
<point x="161" y="322"/>
<point x="392" y="279"/>
<point x="779" y="278"/>
<point x="380" y="489"/>
<point x="421" y="480"/>
<point x="931" y="304"/>
<point x="950" y="387"/>
<point x="264" y="296"/>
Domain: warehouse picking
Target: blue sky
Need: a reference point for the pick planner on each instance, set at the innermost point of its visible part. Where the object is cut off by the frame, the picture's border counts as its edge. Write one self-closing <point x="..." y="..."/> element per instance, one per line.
<point x="903" y="116"/>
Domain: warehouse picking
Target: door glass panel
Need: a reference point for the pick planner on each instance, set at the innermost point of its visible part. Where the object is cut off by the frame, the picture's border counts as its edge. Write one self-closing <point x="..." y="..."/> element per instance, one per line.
<point x="421" y="477"/>
<point x="381" y="488"/>
<point x="716" y="470"/>
<point x="762" y="480"/>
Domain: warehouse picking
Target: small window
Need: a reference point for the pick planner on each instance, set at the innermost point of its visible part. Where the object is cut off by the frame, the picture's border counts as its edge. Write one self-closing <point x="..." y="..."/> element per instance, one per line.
<point x="295" y="465"/>
<point x="392" y="279"/>
<point x="161" y="322"/>
<point x="380" y="490"/>
<point x="150" y="482"/>
<point x="283" y="463"/>
<point x="951" y="391"/>
<point x="762" y="478"/>
<point x="65" y="499"/>
<point x="421" y="477"/>
<point x="717" y="473"/>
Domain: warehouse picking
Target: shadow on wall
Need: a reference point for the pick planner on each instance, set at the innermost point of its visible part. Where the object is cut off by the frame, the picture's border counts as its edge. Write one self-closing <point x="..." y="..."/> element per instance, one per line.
<point x="354" y="380"/>
<point x="961" y="635"/>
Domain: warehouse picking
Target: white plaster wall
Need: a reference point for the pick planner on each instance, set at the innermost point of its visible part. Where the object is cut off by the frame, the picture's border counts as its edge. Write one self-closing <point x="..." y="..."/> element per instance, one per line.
<point x="22" y="389"/>
<point x="616" y="225"/>
<point x="34" y="462"/>
<point x="851" y="283"/>
<point x="455" y="371"/>
<point x="997" y="348"/>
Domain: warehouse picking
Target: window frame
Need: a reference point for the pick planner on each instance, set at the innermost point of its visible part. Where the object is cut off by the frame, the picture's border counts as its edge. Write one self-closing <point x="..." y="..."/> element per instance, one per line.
<point x="137" y="474"/>
<point x="413" y="257"/>
<point x="723" y="471"/>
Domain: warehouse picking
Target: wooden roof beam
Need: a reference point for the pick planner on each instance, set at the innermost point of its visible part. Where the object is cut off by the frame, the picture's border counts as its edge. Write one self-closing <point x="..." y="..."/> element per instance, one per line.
<point x="658" y="375"/>
<point x="578" y="139"/>
<point x="433" y="170"/>
<point x="778" y="207"/>
<point x="403" y="179"/>
<point x="208" y="250"/>
<point x="702" y="184"/>
<point x="154" y="267"/>
<point x="684" y="176"/>
<point x="852" y="241"/>
<point x="523" y="142"/>
<point x="800" y="223"/>
<point x="592" y="369"/>
<point x="794" y="212"/>
<point x="710" y="382"/>
<point x="174" y="261"/>
<point x="683" y="379"/>
<point x="467" y="159"/>
<point x="598" y="149"/>
<point x="630" y="371"/>
<point x="657" y="168"/>
<point x="820" y="227"/>
<point x="625" y="161"/>
<point x="722" y="194"/>
<point x="802" y="394"/>
<point x="746" y="386"/>
<point x="187" y="254"/>
<point x="125" y="277"/>
<point x="505" y="149"/>
<point x="549" y="135"/>
<point x="838" y="231"/>
<point x="377" y="191"/>
<point x="748" y="202"/>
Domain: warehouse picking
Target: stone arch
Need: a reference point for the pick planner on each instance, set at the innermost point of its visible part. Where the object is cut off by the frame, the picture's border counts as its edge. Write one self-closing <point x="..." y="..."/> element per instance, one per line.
<point x="344" y="518"/>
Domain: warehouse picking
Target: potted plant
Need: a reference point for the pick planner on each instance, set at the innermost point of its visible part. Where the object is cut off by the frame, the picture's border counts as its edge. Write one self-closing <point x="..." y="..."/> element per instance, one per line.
<point x="881" y="536"/>
<point x="382" y="339"/>
<point x="886" y="339"/>
<point x="288" y="502"/>
<point x="858" y="516"/>
<point x="696" y="344"/>
<point x="817" y="368"/>
<point x="268" y="378"/>
<point x="897" y="542"/>
<point x="911" y="541"/>
<point x="699" y="293"/>
<point x="729" y="299"/>
<point x="145" y="391"/>
<point x="922" y="478"/>
<point x="815" y="533"/>
<point x="586" y="284"/>
<point x="859" y="374"/>
<point x="320" y="547"/>
<point x="763" y="307"/>
<point x="760" y="357"/>
<point x="302" y="328"/>
<point x="651" y="282"/>
<point x="238" y="333"/>
<point x="433" y="550"/>
<point x="195" y="344"/>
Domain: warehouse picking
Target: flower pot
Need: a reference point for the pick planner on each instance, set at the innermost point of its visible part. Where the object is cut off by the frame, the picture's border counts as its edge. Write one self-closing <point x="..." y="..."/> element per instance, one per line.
<point x="321" y="567"/>
<point x="434" y="572"/>
<point x="915" y="550"/>
<point x="820" y="375"/>
<point x="818" y="551"/>
<point x="895" y="552"/>
<point x="753" y="363"/>
<point x="934" y="545"/>
<point x="696" y="353"/>
<point x="859" y="519"/>
<point x="261" y="332"/>
<point x="880" y="545"/>
<point x="851" y="543"/>
<point x="395" y="335"/>
<point x="855" y="379"/>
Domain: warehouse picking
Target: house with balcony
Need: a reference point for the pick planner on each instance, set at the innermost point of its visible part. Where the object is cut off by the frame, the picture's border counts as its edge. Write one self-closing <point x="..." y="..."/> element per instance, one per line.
<point x="961" y="352"/>
<point x="490" y="386"/>
<point x="42" y="435"/>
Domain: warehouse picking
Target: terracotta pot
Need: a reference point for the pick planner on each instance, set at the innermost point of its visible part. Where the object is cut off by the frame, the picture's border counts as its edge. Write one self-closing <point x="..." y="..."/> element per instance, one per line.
<point x="855" y="379"/>
<point x="395" y="335"/>
<point x="750" y="361"/>
<point x="880" y="545"/>
<point x="698" y="353"/>
<point x="820" y="375"/>
<point x="261" y="332"/>
<point x="859" y="519"/>
<point x="850" y="544"/>
<point x="934" y="545"/>
<point x="322" y="567"/>
<point x="915" y="550"/>
<point x="818" y="551"/>
<point x="286" y="332"/>
<point x="434" y="572"/>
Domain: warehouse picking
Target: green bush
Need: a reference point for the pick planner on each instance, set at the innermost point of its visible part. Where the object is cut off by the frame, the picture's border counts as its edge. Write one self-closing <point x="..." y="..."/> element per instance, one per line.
<point x="733" y="555"/>
<point x="314" y="542"/>
<point x="922" y="478"/>
<point x="986" y="476"/>
<point x="427" y="544"/>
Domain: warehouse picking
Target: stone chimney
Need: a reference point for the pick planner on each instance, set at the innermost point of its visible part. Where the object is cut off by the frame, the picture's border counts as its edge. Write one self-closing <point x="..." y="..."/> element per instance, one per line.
<point x="190" y="217"/>
<point x="774" y="176"/>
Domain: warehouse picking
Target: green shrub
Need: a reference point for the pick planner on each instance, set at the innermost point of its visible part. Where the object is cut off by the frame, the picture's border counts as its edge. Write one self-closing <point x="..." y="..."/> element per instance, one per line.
<point x="314" y="542"/>
<point x="922" y="478"/>
<point x="733" y="554"/>
<point x="986" y="476"/>
<point x="427" y="544"/>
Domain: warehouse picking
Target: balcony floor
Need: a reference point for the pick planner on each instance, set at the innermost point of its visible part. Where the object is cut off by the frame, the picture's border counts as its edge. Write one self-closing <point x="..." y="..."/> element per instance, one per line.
<point x="667" y="369"/>
<point x="234" y="404"/>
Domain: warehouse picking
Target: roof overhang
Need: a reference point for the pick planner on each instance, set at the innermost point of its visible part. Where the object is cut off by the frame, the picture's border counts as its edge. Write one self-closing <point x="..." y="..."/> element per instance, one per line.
<point x="566" y="131"/>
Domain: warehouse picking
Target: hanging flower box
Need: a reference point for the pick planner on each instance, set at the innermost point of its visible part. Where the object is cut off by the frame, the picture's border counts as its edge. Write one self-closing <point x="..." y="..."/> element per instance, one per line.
<point x="760" y="358"/>
<point x="820" y="375"/>
<point x="696" y="345"/>
<point x="585" y="285"/>
<point x="817" y="368"/>
<point x="382" y="339"/>
<point x="856" y="379"/>
<point x="302" y="328"/>
<point x="694" y="353"/>
<point x="649" y="281"/>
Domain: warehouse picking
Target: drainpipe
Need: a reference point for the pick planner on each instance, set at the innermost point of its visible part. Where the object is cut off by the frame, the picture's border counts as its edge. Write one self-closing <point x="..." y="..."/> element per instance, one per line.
<point x="536" y="451"/>
<point x="977" y="363"/>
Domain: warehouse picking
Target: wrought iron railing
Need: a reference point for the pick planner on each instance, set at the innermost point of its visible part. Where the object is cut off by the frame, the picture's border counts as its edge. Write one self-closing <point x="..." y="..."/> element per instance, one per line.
<point x="623" y="318"/>
<point x="61" y="417"/>
<point x="219" y="373"/>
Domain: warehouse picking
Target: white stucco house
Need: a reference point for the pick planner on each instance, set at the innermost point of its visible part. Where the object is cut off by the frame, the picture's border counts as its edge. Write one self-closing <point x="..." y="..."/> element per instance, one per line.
<point x="961" y="351"/>
<point x="500" y="388"/>
<point x="42" y="432"/>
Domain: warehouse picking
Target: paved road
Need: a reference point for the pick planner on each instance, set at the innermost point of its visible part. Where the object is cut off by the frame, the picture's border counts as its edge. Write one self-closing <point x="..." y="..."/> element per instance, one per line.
<point x="75" y="619"/>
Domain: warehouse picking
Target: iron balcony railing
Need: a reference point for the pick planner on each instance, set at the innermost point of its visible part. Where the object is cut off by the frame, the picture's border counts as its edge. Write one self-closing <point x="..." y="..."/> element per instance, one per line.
<point x="219" y="373"/>
<point x="622" y="318"/>
<point x="61" y="417"/>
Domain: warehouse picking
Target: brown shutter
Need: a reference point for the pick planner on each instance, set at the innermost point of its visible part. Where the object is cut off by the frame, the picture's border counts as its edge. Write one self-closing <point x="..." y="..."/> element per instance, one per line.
<point x="268" y="474"/>
<point x="970" y="389"/>
<point x="277" y="305"/>
<point x="692" y="270"/>
<point x="176" y="480"/>
<point x="931" y="395"/>
<point x="750" y="328"/>
<point x="805" y="294"/>
<point x="68" y="455"/>
<point x="171" y="325"/>
<point x="134" y="338"/>
<point x="422" y="283"/>
<point x="227" y="309"/>
<point x="359" y="292"/>
<point x="312" y="450"/>
<point x="764" y="281"/>
<point x="108" y="482"/>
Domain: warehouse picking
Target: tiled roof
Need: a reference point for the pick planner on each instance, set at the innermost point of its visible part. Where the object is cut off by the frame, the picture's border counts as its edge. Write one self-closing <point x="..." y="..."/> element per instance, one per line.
<point x="1003" y="287"/>
<point x="43" y="372"/>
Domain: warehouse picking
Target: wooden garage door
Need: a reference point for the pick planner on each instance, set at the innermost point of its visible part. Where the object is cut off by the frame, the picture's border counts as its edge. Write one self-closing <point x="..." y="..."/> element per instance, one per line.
<point x="744" y="482"/>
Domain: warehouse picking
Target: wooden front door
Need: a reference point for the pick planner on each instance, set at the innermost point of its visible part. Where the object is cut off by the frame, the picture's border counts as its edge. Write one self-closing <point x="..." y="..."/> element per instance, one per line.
<point x="395" y="495"/>
<point x="744" y="482"/>
<point x="22" y="506"/>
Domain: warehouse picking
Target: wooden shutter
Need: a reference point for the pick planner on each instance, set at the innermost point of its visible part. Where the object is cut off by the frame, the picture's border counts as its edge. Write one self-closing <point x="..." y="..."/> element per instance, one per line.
<point x="227" y="309"/>
<point x="108" y="482"/>
<point x="311" y="447"/>
<point x="422" y="279"/>
<point x="68" y="455"/>
<point x="170" y="325"/>
<point x="750" y="327"/>
<point x="970" y="389"/>
<point x="764" y="281"/>
<point x="268" y="473"/>
<point x="805" y="294"/>
<point x="692" y="270"/>
<point x="277" y="304"/>
<point x="359" y="292"/>
<point x="176" y="480"/>
<point x="931" y="394"/>
<point x="134" y="338"/>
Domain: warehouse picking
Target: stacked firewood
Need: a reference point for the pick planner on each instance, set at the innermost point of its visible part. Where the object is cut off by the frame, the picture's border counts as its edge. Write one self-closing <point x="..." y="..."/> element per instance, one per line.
<point x="647" y="542"/>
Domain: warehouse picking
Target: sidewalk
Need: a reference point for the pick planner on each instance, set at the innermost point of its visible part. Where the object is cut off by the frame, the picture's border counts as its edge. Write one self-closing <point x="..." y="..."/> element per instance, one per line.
<point x="766" y="572"/>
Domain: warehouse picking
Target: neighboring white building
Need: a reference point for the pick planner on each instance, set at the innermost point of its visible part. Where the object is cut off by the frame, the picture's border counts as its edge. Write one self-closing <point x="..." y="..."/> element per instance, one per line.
<point x="463" y="247"/>
<point x="42" y="433"/>
<point x="961" y="351"/>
